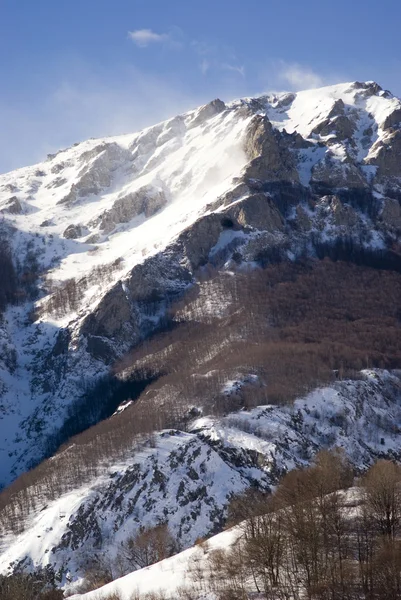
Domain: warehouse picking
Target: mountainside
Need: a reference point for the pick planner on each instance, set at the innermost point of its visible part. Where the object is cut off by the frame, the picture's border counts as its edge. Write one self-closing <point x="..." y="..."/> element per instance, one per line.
<point x="237" y="256"/>
<point x="187" y="479"/>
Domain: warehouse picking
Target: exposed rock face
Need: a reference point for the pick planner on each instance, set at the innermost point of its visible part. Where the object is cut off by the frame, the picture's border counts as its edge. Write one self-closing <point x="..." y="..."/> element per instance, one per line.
<point x="113" y="317"/>
<point x="343" y="214"/>
<point x="228" y="187"/>
<point x="391" y="214"/>
<point x="258" y="211"/>
<point x="385" y="154"/>
<point x="330" y="173"/>
<point x="146" y="201"/>
<point x="97" y="173"/>
<point x="74" y="232"/>
<point x="393" y="120"/>
<point x="14" y="206"/>
<point x="341" y="127"/>
<point x="269" y="161"/>
<point x="208" y="111"/>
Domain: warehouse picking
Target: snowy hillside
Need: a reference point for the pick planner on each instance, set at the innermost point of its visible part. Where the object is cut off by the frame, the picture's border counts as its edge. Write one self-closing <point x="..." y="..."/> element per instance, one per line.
<point x="109" y="226"/>
<point x="130" y="264"/>
<point x="187" y="479"/>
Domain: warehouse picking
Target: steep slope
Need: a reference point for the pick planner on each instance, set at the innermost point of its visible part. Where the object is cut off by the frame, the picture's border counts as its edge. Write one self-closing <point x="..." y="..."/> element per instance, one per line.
<point x="106" y="233"/>
<point x="111" y="250"/>
<point x="187" y="479"/>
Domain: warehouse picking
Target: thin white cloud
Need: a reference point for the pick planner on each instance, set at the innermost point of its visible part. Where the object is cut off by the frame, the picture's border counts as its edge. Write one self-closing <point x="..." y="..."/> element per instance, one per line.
<point x="204" y="66"/>
<point x="300" y="77"/>
<point x="144" y="37"/>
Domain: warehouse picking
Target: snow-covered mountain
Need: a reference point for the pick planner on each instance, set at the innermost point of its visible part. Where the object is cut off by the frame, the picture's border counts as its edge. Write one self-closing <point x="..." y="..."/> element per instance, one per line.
<point x="105" y="235"/>
<point x="110" y="225"/>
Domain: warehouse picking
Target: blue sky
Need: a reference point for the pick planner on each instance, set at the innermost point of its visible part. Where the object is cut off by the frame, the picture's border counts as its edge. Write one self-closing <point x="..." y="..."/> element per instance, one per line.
<point x="73" y="69"/>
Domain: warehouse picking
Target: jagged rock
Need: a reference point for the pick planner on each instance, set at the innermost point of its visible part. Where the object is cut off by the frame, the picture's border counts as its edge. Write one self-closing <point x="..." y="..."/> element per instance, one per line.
<point x="341" y="126"/>
<point x="294" y="140"/>
<point x="100" y="349"/>
<point x="241" y="190"/>
<point x="46" y="223"/>
<point x="158" y="279"/>
<point x="146" y="201"/>
<point x="391" y="213"/>
<point x="368" y="88"/>
<point x="197" y="241"/>
<point x="303" y="221"/>
<point x="58" y="167"/>
<point x="337" y="109"/>
<point x="113" y="318"/>
<point x="331" y="173"/>
<point x="207" y="112"/>
<point x="93" y="239"/>
<point x="74" y="232"/>
<point x="343" y="214"/>
<point x="55" y="183"/>
<point x="259" y="212"/>
<point x="392" y="120"/>
<point x="14" y="206"/>
<point x="269" y="161"/>
<point x="385" y="154"/>
<point x="97" y="173"/>
<point x="9" y="187"/>
<point x="62" y="342"/>
<point x="283" y="101"/>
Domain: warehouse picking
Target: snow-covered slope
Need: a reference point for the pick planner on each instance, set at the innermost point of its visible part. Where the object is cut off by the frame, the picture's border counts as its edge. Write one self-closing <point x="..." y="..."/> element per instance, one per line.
<point x="170" y="576"/>
<point x="108" y="226"/>
<point x="187" y="479"/>
<point x="104" y="235"/>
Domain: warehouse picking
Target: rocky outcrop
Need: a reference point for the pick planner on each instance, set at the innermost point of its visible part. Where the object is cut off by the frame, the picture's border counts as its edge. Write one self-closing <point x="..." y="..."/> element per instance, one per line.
<point x="343" y="214"/>
<point x="385" y="155"/>
<point x="341" y="127"/>
<point x="97" y="173"/>
<point x="146" y="201"/>
<point x="207" y="112"/>
<point x="73" y="232"/>
<point x="113" y="318"/>
<point x="14" y="206"/>
<point x="269" y="160"/>
<point x="393" y="120"/>
<point x="332" y="173"/>
<point x="259" y="212"/>
<point x="391" y="214"/>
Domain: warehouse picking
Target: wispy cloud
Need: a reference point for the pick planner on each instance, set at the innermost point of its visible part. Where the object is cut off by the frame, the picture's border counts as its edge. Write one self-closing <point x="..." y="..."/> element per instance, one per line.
<point x="300" y="77"/>
<point x="204" y="66"/>
<point x="145" y="37"/>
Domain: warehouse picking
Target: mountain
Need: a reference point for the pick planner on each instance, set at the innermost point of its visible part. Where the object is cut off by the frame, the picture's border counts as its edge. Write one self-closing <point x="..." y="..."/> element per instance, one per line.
<point x="239" y="256"/>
